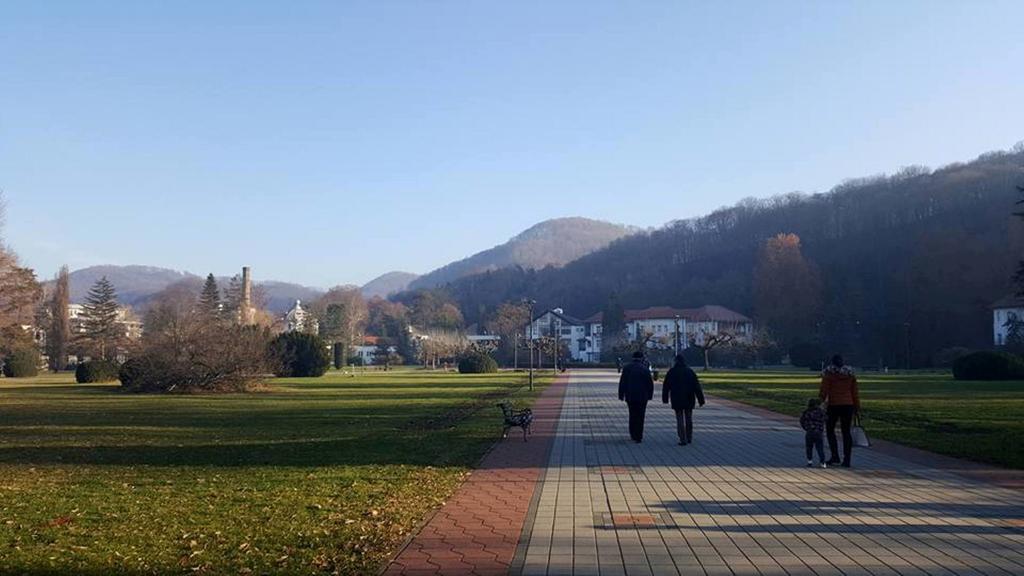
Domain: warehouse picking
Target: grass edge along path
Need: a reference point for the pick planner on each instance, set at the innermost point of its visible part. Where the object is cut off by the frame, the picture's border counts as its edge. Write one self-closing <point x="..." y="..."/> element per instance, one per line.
<point x="479" y="529"/>
<point x="981" y="422"/>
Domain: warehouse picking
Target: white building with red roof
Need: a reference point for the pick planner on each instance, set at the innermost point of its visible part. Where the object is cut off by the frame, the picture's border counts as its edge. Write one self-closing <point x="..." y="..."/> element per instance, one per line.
<point x="657" y="325"/>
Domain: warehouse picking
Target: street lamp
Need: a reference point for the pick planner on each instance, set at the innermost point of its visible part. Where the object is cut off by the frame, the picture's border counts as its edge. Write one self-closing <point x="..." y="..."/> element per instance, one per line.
<point x="556" y="329"/>
<point x="515" y="353"/>
<point x="677" y="335"/>
<point x="530" y="303"/>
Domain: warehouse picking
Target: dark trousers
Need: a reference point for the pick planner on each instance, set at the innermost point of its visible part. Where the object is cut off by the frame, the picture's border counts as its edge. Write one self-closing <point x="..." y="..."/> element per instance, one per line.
<point x="844" y="416"/>
<point x="637" y="412"/>
<point x="684" y="425"/>
<point x="814" y="441"/>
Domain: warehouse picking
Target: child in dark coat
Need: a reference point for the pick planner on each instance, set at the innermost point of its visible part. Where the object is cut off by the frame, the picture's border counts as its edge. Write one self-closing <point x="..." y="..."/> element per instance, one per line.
<point x="813" y="422"/>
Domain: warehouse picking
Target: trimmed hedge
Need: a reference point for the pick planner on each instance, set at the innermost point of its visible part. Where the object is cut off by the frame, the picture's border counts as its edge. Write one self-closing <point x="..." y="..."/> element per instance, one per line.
<point x="95" y="371"/>
<point x="477" y="364"/>
<point x="988" y="365"/>
<point x="300" y="355"/>
<point x="22" y="363"/>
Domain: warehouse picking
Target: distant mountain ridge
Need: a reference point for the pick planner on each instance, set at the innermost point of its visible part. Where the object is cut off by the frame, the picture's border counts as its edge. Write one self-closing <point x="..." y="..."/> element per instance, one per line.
<point x="553" y="242"/>
<point x="550" y="243"/>
<point x="388" y="283"/>
<point x="136" y="284"/>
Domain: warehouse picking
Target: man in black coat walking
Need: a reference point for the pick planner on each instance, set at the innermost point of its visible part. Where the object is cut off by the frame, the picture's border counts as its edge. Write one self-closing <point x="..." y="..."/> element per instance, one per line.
<point x="683" y="387"/>
<point x="636" y="388"/>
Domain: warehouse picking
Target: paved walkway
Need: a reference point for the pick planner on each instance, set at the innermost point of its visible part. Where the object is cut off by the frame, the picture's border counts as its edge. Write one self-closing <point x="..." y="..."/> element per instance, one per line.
<point x="739" y="501"/>
<point x="477" y="530"/>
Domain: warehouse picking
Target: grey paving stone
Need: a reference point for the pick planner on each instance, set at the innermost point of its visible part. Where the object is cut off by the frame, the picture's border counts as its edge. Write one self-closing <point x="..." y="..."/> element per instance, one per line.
<point x="739" y="501"/>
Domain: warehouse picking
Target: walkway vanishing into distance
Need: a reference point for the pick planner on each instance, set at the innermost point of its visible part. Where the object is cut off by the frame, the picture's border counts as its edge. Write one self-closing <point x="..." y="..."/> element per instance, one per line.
<point x="738" y="501"/>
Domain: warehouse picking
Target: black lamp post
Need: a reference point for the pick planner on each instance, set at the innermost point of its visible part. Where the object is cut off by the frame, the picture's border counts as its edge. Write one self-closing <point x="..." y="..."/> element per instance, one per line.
<point x="677" y="335"/>
<point x="530" y="303"/>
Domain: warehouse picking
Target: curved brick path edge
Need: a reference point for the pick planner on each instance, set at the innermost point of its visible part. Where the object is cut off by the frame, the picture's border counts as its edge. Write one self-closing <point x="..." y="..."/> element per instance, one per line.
<point x="477" y="531"/>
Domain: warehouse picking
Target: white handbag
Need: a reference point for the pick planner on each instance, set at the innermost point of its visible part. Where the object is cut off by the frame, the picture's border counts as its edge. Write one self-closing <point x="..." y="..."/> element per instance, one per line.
<point x="860" y="437"/>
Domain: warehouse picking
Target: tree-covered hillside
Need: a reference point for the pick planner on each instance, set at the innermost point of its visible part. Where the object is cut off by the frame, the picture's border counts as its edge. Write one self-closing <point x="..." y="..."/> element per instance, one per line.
<point x="908" y="264"/>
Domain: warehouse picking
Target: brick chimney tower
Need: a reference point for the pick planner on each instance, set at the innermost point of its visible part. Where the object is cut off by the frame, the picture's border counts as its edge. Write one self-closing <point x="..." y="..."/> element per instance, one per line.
<point x="246" y="314"/>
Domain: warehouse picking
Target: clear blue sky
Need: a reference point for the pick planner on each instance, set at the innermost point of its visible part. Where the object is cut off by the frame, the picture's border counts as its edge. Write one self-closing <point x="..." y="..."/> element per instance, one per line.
<point x="324" y="143"/>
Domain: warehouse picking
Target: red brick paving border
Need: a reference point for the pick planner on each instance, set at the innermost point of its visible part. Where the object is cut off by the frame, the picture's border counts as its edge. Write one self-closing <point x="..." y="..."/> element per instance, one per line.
<point x="477" y="530"/>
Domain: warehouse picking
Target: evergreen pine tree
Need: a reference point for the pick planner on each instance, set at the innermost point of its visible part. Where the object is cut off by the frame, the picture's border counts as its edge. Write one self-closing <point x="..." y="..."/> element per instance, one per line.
<point x="232" y="301"/>
<point x="58" y="335"/>
<point x="209" y="299"/>
<point x="99" y="319"/>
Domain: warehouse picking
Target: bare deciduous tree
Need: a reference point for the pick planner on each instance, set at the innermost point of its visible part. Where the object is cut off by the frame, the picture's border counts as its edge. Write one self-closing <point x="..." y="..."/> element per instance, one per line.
<point x="183" y="349"/>
<point x="342" y="314"/>
<point x="708" y="342"/>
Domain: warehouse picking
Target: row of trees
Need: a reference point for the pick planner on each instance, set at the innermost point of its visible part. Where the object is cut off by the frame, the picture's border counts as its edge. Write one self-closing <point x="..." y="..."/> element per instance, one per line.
<point x="30" y="315"/>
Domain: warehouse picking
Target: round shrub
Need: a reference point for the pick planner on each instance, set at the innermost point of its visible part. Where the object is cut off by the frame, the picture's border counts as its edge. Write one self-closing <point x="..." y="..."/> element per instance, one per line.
<point x="987" y="365"/>
<point x="22" y="363"/>
<point x="477" y="364"/>
<point x="96" y="371"/>
<point x="131" y="373"/>
<point x="296" y="354"/>
<point x="806" y="355"/>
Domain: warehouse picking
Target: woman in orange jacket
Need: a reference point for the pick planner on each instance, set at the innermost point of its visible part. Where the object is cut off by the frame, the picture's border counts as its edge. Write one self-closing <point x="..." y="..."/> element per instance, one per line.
<point x="839" y="389"/>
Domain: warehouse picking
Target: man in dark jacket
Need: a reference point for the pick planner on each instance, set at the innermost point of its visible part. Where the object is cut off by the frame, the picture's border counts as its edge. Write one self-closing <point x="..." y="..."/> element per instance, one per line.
<point x="636" y="388"/>
<point x="683" y="387"/>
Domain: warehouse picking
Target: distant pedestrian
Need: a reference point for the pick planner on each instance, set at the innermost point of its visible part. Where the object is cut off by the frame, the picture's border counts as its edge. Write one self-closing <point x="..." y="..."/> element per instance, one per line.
<point x="683" y="387"/>
<point x="813" y="423"/>
<point x="636" y="388"/>
<point x="839" y="390"/>
<point x="618" y="365"/>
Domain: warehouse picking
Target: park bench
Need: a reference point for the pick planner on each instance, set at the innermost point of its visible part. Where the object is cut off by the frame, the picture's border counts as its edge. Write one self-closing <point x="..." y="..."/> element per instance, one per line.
<point x="516" y="419"/>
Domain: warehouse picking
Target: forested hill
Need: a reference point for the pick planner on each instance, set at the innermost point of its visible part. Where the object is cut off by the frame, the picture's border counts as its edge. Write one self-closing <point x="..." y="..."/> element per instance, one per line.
<point x="909" y="262"/>
<point x="550" y="243"/>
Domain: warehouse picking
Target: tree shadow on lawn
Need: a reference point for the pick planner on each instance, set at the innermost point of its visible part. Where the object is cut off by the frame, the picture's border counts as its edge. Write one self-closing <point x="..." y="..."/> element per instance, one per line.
<point x="395" y="448"/>
<point x="300" y="431"/>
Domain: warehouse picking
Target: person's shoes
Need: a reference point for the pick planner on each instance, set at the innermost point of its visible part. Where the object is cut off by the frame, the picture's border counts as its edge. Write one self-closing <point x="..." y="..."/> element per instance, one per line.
<point x="681" y="443"/>
<point x="810" y="463"/>
<point x="823" y="465"/>
<point x="832" y="461"/>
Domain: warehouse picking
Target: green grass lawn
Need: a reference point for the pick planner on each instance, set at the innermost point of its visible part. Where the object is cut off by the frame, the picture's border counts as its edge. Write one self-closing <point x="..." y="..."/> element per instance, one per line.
<point x="324" y="475"/>
<point x="981" y="421"/>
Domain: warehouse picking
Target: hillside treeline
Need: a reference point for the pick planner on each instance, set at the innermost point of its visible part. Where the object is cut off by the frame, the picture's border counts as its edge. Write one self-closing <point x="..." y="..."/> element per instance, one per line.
<point x="905" y="266"/>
